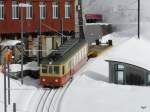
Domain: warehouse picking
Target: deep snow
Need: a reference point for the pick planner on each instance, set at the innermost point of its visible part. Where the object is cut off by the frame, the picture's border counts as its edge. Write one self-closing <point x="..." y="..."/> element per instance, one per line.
<point x="89" y="91"/>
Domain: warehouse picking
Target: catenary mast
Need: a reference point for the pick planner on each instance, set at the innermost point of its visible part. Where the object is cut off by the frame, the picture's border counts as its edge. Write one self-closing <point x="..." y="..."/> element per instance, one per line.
<point x="80" y="19"/>
<point x="139" y="19"/>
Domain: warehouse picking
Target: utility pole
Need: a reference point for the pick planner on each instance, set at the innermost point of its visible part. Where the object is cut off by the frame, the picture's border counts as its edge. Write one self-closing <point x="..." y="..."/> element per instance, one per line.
<point x="22" y="5"/>
<point x="8" y="59"/>
<point x="22" y="44"/>
<point x="40" y="30"/>
<point x="8" y="77"/>
<point x="80" y="19"/>
<point x="138" y="19"/>
<point x="62" y="28"/>
<point x="5" y="94"/>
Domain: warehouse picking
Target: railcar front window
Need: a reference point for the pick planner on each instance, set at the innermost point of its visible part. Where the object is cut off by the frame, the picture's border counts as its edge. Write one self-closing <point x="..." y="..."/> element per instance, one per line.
<point x="56" y="69"/>
<point x="44" y="69"/>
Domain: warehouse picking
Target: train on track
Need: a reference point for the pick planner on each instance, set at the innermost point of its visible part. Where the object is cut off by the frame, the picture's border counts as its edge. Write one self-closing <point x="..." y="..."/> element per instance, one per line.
<point x="59" y="66"/>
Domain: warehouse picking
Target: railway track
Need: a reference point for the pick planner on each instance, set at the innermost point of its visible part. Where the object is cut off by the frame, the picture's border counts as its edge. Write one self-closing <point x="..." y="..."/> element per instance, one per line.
<point x="51" y="98"/>
<point x="42" y="101"/>
<point x="55" y="103"/>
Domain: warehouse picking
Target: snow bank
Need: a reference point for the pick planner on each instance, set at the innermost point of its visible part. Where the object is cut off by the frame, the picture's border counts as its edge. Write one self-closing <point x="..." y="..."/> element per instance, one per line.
<point x="89" y="95"/>
<point x="134" y="52"/>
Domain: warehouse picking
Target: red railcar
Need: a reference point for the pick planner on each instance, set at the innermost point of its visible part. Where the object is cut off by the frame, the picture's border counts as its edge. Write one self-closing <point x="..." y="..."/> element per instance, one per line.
<point x="59" y="67"/>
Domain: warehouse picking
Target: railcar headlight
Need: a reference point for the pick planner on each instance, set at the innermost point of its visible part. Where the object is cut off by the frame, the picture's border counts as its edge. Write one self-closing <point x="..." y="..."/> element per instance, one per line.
<point x="56" y="80"/>
<point x="43" y="80"/>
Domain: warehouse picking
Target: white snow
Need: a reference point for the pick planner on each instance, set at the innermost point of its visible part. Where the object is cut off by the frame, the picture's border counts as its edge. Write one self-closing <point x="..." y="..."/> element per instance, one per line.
<point x="10" y="42"/>
<point x="90" y="24"/>
<point x="134" y="51"/>
<point x="29" y="66"/>
<point x="93" y="93"/>
<point x="89" y="91"/>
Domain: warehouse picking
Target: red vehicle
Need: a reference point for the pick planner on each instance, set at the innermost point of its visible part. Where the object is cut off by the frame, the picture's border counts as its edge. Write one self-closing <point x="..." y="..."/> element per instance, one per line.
<point x="93" y="18"/>
<point x="59" y="67"/>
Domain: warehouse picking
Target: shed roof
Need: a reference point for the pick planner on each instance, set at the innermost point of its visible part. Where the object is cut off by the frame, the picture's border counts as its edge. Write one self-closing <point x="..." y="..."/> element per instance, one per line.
<point x="134" y="51"/>
<point x="10" y="42"/>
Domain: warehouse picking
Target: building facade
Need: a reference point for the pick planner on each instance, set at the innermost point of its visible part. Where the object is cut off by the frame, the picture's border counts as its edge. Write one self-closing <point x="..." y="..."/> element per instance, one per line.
<point x="53" y="20"/>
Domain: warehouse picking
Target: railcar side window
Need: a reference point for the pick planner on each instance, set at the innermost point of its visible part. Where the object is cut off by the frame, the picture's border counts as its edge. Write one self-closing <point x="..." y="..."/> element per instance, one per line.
<point x="63" y="70"/>
<point x="56" y="69"/>
<point x="44" y="69"/>
<point x="85" y="52"/>
<point x="50" y="70"/>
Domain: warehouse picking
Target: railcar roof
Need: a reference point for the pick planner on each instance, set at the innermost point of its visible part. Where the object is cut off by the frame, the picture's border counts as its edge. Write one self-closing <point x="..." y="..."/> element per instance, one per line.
<point x="65" y="57"/>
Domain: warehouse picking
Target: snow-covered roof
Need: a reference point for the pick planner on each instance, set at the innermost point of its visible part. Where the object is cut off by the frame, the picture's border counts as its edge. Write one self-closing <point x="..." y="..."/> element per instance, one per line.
<point x="29" y="66"/>
<point x="134" y="51"/>
<point x="90" y="24"/>
<point x="10" y="42"/>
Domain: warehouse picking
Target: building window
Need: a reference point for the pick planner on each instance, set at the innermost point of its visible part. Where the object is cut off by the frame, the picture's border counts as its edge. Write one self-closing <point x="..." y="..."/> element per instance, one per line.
<point x="1" y="10"/>
<point x="67" y="9"/>
<point x="42" y="10"/>
<point x="55" y="10"/>
<point x="15" y="10"/>
<point x="29" y="11"/>
<point x="120" y="76"/>
<point x="148" y="79"/>
<point x="119" y="70"/>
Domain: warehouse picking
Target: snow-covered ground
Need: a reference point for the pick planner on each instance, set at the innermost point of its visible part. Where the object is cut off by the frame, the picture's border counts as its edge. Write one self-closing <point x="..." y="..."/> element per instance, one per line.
<point x="89" y="91"/>
<point x="93" y="93"/>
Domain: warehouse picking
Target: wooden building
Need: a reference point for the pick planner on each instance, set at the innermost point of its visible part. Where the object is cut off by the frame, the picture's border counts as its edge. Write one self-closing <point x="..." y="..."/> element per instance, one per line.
<point x="51" y="20"/>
